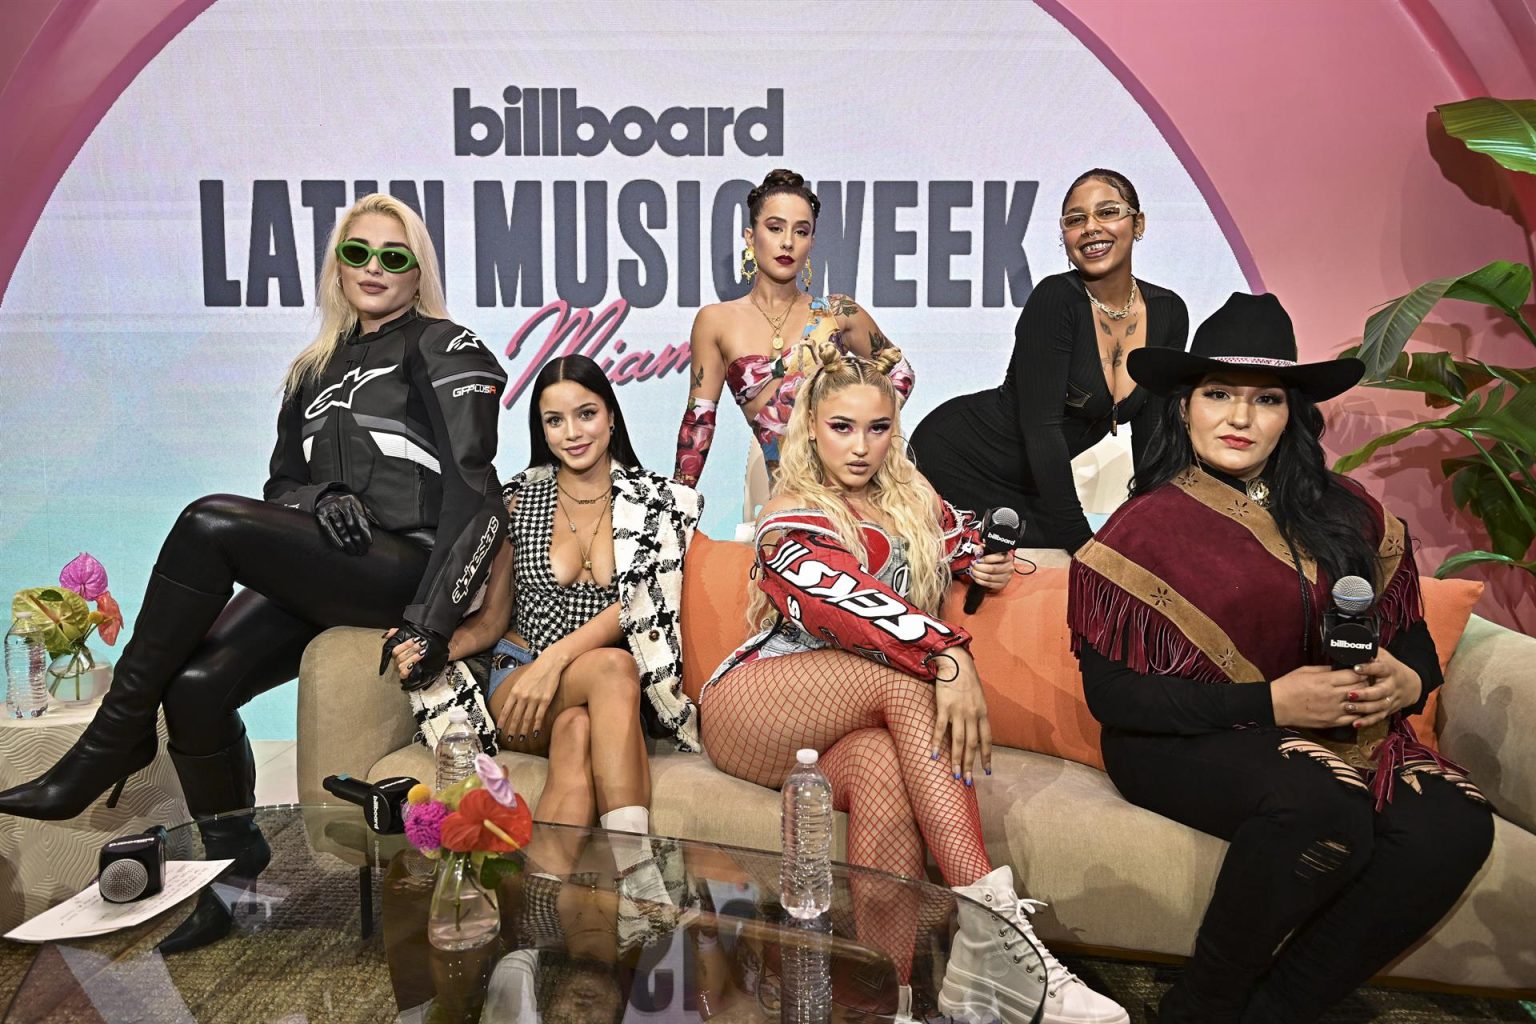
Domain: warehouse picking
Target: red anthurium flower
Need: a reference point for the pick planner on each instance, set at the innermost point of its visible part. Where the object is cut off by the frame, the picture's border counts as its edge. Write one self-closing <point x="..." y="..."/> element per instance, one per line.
<point x="112" y="618"/>
<point x="482" y="824"/>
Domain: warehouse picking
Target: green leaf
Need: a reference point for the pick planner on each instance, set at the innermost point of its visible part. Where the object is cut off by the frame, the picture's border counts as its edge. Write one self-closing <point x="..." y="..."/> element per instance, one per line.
<point x="65" y="616"/>
<point x="1458" y="562"/>
<point x="1500" y="284"/>
<point x="1503" y="129"/>
<point x="1358" y="457"/>
<point x="495" y="869"/>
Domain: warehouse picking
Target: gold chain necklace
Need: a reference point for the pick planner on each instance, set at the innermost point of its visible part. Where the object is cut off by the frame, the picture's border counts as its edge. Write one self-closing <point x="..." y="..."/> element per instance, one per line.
<point x="777" y="325"/>
<point x="580" y="501"/>
<point x="1114" y="314"/>
<point x="586" y="552"/>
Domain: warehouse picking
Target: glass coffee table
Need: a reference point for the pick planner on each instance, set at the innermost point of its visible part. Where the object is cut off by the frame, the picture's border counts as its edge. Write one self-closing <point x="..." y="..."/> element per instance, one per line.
<point x="336" y="930"/>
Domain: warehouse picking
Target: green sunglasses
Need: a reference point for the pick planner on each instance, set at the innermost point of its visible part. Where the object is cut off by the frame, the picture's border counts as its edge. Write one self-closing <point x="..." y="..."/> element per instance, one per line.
<point x="393" y="258"/>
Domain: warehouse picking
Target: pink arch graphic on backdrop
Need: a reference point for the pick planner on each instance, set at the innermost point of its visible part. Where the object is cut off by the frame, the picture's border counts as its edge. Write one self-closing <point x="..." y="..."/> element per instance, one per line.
<point x="1168" y="130"/>
<point x="117" y="41"/>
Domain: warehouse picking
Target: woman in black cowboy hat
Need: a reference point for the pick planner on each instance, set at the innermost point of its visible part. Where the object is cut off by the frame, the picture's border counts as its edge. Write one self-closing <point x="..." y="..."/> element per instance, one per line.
<point x="1347" y="835"/>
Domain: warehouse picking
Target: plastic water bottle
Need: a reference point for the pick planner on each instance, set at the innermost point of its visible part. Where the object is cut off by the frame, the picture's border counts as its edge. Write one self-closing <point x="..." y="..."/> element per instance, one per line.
<point x="456" y="750"/>
<point x="805" y="878"/>
<point x="26" y="667"/>
<point x="805" y="992"/>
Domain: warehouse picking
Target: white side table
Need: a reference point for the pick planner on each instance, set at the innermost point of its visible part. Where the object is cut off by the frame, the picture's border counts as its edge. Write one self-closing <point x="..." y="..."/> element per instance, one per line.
<point x="45" y="862"/>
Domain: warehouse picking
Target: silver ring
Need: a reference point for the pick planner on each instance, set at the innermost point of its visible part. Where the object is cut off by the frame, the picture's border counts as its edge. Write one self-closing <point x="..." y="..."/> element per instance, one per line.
<point x="1350" y="708"/>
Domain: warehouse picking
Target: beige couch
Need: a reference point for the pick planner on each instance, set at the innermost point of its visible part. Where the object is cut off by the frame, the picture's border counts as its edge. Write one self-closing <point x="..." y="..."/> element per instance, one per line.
<point x="1118" y="878"/>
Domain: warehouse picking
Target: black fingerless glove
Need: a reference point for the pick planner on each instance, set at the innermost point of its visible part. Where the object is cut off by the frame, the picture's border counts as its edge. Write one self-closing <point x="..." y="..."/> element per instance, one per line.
<point x="344" y="520"/>
<point x="434" y="655"/>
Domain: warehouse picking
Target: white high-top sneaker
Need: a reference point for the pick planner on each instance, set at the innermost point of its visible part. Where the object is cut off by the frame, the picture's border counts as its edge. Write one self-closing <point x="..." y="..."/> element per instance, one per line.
<point x="992" y="975"/>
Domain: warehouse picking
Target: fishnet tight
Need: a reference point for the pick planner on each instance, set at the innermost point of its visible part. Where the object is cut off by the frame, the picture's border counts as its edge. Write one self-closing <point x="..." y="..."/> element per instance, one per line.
<point x="760" y="713"/>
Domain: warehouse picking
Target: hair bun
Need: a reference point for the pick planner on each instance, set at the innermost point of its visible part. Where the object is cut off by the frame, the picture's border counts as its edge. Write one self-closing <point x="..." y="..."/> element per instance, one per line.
<point x="783" y="177"/>
<point x="829" y="355"/>
<point x="886" y="359"/>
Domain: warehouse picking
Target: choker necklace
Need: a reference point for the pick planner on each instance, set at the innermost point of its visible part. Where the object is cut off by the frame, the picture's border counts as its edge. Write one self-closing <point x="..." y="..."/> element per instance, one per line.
<point x="1258" y="492"/>
<point x="1114" y="314"/>
<point x="581" y="501"/>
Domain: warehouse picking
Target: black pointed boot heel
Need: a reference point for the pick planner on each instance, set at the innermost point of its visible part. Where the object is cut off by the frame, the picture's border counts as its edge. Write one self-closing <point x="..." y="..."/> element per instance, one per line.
<point x="220" y="783"/>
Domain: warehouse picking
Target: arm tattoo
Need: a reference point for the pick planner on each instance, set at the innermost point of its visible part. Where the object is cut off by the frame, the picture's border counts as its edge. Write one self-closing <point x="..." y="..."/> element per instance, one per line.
<point x="697" y="376"/>
<point x="694" y="437"/>
<point x="878" y="343"/>
<point x="842" y="305"/>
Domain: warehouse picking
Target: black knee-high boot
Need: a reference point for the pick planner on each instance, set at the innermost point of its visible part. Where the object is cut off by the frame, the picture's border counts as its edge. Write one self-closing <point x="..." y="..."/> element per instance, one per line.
<point x="216" y="784"/>
<point x="121" y="738"/>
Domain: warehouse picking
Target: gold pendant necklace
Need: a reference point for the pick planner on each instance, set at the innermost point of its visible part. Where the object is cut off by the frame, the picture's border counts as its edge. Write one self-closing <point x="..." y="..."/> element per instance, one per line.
<point x="777" y="325"/>
<point x="1258" y="492"/>
<point x="586" y="552"/>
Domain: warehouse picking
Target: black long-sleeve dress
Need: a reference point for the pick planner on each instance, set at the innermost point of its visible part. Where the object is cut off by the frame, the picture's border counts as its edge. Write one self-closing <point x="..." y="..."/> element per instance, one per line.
<point x="1013" y="445"/>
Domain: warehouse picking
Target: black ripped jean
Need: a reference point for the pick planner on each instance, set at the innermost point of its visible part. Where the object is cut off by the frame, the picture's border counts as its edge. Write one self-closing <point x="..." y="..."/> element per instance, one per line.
<point x="1308" y="854"/>
<point x="296" y="585"/>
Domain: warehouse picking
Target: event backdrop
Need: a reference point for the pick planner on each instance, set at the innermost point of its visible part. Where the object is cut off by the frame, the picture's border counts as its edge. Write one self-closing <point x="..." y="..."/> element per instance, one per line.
<point x="583" y="170"/>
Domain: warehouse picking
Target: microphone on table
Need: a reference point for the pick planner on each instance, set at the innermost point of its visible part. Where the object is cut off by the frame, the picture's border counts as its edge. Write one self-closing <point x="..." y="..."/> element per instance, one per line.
<point x="1351" y="635"/>
<point x="999" y="532"/>
<point x="383" y="802"/>
<point x="132" y="867"/>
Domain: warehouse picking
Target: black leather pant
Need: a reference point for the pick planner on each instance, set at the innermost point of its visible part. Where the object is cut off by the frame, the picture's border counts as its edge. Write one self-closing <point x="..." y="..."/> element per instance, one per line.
<point x="295" y="586"/>
<point x="1310" y="858"/>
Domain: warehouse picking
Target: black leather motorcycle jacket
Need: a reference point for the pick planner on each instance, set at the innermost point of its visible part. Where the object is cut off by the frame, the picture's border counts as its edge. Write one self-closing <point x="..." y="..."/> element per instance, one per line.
<point x="405" y="418"/>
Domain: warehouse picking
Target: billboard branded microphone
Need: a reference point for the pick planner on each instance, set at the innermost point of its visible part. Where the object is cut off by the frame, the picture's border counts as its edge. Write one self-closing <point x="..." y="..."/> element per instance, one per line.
<point x="383" y="802"/>
<point x="999" y="532"/>
<point x="132" y="867"/>
<point x="1350" y="635"/>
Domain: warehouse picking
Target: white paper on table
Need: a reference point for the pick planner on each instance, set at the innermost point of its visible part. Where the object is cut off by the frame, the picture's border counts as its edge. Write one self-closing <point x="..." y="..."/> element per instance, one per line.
<point x="88" y="914"/>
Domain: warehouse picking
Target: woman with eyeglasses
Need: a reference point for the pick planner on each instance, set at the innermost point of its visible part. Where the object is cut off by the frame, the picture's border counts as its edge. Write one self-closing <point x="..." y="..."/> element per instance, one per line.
<point x="1066" y="385"/>
<point x="382" y="509"/>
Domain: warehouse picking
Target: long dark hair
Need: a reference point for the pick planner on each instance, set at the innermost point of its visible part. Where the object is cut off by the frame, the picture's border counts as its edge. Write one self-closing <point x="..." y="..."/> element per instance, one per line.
<point x="1315" y="509"/>
<point x="578" y="370"/>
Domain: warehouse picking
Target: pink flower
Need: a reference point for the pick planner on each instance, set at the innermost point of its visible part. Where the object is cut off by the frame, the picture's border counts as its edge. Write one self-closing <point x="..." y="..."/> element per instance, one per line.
<point x="495" y="780"/>
<point x="111" y="618"/>
<point x="85" y="576"/>
<point x="424" y="825"/>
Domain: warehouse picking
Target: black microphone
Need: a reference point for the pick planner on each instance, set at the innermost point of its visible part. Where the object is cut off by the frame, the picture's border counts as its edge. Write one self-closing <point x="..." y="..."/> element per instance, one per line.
<point x="383" y="802"/>
<point x="133" y="867"/>
<point x="999" y="532"/>
<point x="1351" y="635"/>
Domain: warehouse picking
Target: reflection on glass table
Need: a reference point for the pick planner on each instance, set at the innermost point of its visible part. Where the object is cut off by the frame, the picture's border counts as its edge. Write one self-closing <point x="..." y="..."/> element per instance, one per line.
<point x="335" y="929"/>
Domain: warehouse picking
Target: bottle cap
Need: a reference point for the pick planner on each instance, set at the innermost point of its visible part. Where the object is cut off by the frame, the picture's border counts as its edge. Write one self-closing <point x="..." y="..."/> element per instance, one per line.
<point x="806" y="756"/>
<point x="458" y="714"/>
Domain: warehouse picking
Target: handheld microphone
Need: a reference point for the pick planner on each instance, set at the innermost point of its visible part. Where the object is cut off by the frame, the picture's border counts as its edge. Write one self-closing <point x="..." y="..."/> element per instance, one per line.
<point x="999" y="532"/>
<point x="1350" y="635"/>
<point x="132" y="867"/>
<point x="383" y="802"/>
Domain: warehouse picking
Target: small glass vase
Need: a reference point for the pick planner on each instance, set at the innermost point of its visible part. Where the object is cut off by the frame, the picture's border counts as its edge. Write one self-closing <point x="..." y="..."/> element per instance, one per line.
<point x="78" y="677"/>
<point x="464" y="914"/>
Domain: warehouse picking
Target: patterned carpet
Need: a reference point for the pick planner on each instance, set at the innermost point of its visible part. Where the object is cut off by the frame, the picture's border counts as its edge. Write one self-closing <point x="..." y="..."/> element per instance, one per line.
<point x="310" y="965"/>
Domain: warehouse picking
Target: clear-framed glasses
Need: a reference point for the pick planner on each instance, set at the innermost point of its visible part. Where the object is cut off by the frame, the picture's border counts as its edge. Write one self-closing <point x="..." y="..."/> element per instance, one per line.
<point x="1104" y="213"/>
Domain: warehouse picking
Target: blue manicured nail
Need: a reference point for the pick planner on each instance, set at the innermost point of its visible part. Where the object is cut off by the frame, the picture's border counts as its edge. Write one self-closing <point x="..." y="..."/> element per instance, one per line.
<point x="957" y="775"/>
<point x="967" y="782"/>
<point x="987" y="770"/>
<point x="933" y="756"/>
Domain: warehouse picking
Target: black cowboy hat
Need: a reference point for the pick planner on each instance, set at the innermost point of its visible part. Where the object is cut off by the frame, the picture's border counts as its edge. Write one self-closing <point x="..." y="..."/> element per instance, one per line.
<point x="1249" y="332"/>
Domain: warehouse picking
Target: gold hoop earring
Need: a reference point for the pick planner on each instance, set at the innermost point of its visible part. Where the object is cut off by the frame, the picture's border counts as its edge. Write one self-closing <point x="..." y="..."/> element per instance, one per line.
<point x="805" y="274"/>
<point x="748" y="264"/>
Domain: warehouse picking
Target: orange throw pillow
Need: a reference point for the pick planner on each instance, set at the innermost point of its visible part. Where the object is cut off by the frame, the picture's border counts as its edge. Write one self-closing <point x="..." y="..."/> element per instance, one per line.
<point x="1024" y="655"/>
<point x="715" y="583"/>
<point x="1447" y="607"/>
